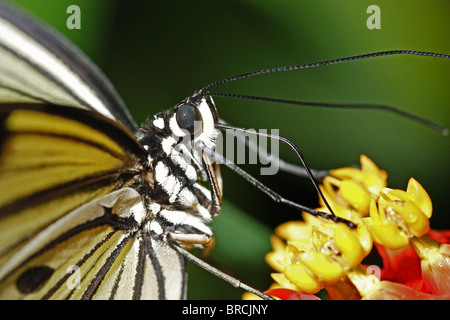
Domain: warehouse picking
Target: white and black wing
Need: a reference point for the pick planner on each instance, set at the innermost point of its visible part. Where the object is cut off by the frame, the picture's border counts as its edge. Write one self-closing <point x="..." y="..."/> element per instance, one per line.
<point x="69" y="206"/>
<point x="39" y="65"/>
<point x="72" y="223"/>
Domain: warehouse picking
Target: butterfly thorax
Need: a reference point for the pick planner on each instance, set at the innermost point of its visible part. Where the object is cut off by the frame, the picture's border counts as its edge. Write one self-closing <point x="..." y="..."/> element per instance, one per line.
<point x="176" y="189"/>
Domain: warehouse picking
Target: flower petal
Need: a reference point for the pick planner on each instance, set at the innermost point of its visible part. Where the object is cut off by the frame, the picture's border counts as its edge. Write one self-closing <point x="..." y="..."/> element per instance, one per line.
<point x="355" y="195"/>
<point x="280" y="279"/>
<point x="389" y="236"/>
<point x="299" y="276"/>
<point x="348" y="243"/>
<point x="324" y="268"/>
<point x="422" y="199"/>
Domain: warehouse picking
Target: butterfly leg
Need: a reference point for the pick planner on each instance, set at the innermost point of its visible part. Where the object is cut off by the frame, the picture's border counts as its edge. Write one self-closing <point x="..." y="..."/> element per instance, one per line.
<point x="193" y="238"/>
<point x="187" y="240"/>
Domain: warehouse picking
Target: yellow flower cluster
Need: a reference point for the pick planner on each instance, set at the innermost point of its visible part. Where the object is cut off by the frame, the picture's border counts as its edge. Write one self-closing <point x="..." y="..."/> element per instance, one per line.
<point x="400" y="215"/>
<point x="315" y="252"/>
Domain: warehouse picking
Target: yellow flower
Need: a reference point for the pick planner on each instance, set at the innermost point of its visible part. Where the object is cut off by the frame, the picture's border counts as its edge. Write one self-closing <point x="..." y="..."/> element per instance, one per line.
<point x="316" y="253"/>
<point x="299" y="278"/>
<point x="353" y="188"/>
<point x="275" y="258"/>
<point x="400" y="215"/>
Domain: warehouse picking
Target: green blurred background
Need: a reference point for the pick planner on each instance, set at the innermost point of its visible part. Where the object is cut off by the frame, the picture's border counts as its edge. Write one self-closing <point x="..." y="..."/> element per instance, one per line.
<point x="158" y="52"/>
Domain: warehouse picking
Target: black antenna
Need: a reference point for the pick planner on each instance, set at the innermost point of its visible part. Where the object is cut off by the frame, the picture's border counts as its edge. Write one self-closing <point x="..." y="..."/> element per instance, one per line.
<point x="332" y="216"/>
<point x="324" y="63"/>
<point x="431" y="124"/>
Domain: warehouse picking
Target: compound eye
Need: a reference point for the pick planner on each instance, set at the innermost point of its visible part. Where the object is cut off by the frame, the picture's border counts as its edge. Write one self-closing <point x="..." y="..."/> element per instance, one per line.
<point x="189" y="118"/>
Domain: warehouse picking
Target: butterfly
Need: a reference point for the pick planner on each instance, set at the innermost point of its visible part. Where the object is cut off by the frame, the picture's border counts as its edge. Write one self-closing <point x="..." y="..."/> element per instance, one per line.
<point x="92" y="206"/>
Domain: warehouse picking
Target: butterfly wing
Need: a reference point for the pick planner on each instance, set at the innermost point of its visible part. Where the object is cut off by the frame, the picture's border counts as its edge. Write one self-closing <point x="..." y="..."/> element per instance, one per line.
<point x="94" y="252"/>
<point x="71" y="225"/>
<point x="58" y="168"/>
<point x="39" y="65"/>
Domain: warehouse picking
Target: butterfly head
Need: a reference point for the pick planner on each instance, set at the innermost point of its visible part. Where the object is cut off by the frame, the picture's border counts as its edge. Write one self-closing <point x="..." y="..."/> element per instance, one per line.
<point x="195" y="118"/>
<point x="181" y="133"/>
